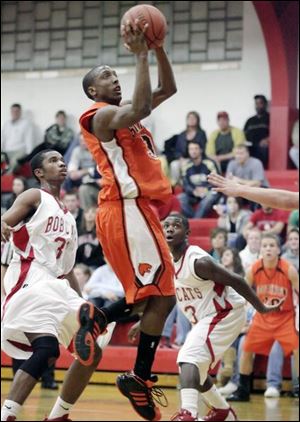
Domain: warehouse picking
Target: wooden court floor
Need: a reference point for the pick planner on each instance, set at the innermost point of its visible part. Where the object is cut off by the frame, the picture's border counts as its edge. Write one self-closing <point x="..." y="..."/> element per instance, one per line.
<point x="105" y="403"/>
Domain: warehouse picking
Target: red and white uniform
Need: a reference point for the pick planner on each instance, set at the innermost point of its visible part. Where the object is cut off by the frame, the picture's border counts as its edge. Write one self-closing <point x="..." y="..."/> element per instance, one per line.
<point x="216" y="312"/>
<point x="38" y="298"/>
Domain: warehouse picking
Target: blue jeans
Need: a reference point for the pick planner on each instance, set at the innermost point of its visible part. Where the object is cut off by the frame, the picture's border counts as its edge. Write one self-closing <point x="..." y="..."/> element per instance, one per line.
<point x="203" y="206"/>
<point x="182" y="323"/>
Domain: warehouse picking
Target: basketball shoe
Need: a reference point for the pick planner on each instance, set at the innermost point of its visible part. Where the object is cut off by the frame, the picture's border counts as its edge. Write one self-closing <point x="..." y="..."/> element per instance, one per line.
<point x="220" y="415"/>
<point x="183" y="415"/>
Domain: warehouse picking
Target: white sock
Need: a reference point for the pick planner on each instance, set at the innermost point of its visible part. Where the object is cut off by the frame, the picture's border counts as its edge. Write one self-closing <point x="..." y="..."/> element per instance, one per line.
<point x="60" y="408"/>
<point x="189" y="400"/>
<point x="214" y="398"/>
<point x="10" y="408"/>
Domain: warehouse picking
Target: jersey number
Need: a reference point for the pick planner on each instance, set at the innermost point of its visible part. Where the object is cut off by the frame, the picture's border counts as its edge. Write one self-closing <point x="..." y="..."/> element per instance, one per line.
<point x="193" y="312"/>
<point x="62" y="243"/>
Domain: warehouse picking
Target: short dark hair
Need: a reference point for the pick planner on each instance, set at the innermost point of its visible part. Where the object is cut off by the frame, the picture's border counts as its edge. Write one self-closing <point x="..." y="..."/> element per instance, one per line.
<point x="261" y="97"/>
<point x="218" y="230"/>
<point x="184" y="220"/>
<point x="60" y="112"/>
<point x="293" y="230"/>
<point x="16" y="105"/>
<point x="88" y="80"/>
<point x="271" y="236"/>
<point x="37" y="161"/>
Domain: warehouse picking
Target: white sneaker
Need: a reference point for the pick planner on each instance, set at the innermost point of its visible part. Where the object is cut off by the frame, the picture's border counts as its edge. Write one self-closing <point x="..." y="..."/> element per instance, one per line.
<point x="228" y="389"/>
<point x="272" y="392"/>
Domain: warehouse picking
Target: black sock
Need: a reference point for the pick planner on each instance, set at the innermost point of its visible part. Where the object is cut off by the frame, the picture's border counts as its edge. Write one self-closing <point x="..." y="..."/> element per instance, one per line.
<point x="245" y="383"/>
<point x="117" y="310"/>
<point x="145" y="356"/>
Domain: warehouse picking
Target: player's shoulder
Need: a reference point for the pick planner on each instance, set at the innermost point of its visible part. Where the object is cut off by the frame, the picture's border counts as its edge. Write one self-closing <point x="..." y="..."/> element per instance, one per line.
<point x="196" y="252"/>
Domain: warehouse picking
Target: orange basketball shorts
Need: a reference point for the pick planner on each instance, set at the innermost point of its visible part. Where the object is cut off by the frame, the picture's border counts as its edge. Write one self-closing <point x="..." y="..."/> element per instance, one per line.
<point x="134" y="245"/>
<point x="260" y="338"/>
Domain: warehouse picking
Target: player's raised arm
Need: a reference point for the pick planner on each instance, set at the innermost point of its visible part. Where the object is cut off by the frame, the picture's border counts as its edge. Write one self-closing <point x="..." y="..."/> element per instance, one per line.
<point x="166" y="81"/>
<point x="206" y="268"/>
<point x="25" y="205"/>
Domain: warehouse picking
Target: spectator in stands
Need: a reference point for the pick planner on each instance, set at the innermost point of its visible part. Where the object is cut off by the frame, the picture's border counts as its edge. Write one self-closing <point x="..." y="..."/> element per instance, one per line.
<point x="198" y="198"/>
<point x="233" y="218"/>
<point x="291" y="254"/>
<point x="193" y="133"/>
<point x="19" y="185"/>
<point x="257" y="130"/>
<point x="103" y="288"/>
<point x="218" y="238"/>
<point x="231" y="260"/>
<point x="58" y="136"/>
<point x="83" y="274"/>
<point x="267" y="219"/>
<point x="83" y="175"/>
<point x="89" y="251"/>
<point x="222" y="141"/>
<point x="183" y="326"/>
<point x="251" y="252"/>
<point x="17" y="136"/>
<point x="293" y="220"/>
<point x="294" y="150"/>
<point x="274" y="279"/>
<point x="71" y="202"/>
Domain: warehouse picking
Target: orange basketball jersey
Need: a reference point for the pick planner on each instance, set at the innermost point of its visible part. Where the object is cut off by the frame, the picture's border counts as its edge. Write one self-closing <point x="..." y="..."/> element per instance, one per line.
<point x="273" y="285"/>
<point x="128" y="163"/>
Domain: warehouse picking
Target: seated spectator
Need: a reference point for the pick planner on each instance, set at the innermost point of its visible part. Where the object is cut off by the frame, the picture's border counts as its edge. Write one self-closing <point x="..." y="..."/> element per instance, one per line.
<point x="291" y="253"/>
<point x="267" y="219"/>
<point x="198" y="198"/>
<point x="294" y="150"/>
<point x="222" y="141"/>
<point x="193" y="133"/>
<point x="89" y="250"/>
<point x="251" y="252"/>
<point x="293" y="220"/>
<point x="257" y="130"/>
<point x="83" y="174"/>
<point x="71" y="202"/>
<point x="218" y="238"/>
<point x="230" y="259"/>
<point x="17" y="136"/>
<point x="19" y="185"/>
<point x="183" y="326"/>
<point x="83" y="274"/>
<point x="103" y="288"/>
<point x="233" y="218"/>
<point x="58" y="136"/>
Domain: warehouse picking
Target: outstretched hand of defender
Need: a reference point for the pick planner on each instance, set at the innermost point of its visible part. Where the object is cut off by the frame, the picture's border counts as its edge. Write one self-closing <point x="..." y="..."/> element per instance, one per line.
<point x="272" y="308"/>
<point x="228" y="187"/>
<point x="134" y="37"/>
<point x="5" y="231"/>
<point x="134" y="331"/>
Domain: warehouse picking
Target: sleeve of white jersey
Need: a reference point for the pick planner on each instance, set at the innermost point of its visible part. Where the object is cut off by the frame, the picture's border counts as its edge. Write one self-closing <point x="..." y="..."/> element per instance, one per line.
<point x="194" y="254"/>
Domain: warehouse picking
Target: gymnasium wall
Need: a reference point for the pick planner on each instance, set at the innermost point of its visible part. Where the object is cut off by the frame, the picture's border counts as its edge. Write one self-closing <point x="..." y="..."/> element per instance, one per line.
<point x="207" y="88"/>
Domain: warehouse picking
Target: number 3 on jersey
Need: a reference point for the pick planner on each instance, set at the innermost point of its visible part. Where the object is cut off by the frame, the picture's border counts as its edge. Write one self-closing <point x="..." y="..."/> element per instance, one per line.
<point x="61" y="244"/>
<point x="193" y="312"/>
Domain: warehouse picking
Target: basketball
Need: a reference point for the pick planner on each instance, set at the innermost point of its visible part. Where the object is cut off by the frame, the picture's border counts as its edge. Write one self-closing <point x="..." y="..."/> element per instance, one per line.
<point x="156" y="31"/>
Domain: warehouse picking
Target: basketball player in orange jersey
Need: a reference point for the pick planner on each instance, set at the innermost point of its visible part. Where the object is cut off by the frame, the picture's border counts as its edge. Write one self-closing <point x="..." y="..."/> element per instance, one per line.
<point x="130" y="234"/>
<point x="274" y="279"/>
<point x="42" y="293"/>
<point x="275" y="198"/>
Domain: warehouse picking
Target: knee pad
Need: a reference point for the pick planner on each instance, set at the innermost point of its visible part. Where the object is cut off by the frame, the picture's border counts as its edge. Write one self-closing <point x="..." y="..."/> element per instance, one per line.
<point x="45" y="353"/>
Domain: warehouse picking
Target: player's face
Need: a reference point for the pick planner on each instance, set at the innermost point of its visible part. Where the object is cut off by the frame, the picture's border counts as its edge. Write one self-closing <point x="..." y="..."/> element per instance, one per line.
<point x="269" y="249"/>
<point x="174" y="231"/>
<point x="54" y="168"/>
<point x="106" y="86"/>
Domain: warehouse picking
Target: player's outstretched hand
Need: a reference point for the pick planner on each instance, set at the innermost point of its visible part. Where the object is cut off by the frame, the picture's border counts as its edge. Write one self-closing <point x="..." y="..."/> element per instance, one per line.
<point x="226" y="186"/>
<point x="5" y="231"/>
<point x="272" y="308"/>
<point x="133" y="332"/>
<point x="134" y="37"/>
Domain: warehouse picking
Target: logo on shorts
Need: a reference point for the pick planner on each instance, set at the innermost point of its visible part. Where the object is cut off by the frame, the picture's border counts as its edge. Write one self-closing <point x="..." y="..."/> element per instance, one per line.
<point x="144" y="268"/>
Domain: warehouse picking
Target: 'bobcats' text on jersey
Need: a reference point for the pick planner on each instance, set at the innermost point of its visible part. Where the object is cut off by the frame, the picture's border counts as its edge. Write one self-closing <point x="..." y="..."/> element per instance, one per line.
<point x="128" y="163"/>
<point x="49" y="237"/>
<point x="197" y="297"/>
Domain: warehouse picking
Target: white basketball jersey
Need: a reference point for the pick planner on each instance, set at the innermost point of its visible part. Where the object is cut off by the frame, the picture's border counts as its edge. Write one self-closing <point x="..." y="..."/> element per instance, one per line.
<point x="197" y="297"/>
<point x="49" y="237"/>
